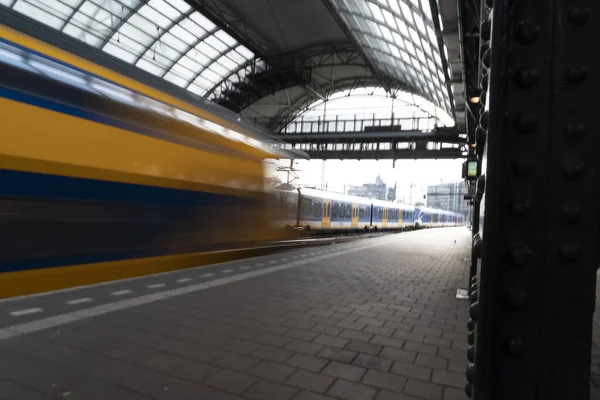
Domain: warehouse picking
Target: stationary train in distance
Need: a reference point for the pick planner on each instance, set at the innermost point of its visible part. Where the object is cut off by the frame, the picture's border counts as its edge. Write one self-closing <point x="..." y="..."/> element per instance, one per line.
<point x="317" y="210"/>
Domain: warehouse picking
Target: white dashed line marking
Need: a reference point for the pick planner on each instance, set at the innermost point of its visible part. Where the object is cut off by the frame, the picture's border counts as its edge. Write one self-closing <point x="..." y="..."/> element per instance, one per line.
<point x="156" y="286"/>
<point x="272" y="262"/>
<point x="42" y="323"/>
<point x="183" y="280"/>
<point x="26" y="311"/>
<point x="207" y="275"/>
<point x="121" y="292"/>
<point x="303" y="255"/>
<point x="244" y="268"/>
<point x="284" y="259"/>
<point x="312" y="254"/>
<point x="227" y="271"/>
<point x="79" y="301"/>
<point x="294" y="257"/>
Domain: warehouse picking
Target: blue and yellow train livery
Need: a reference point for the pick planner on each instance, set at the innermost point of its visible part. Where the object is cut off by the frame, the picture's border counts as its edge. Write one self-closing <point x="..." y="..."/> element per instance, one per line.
<point x="102" y="177"/>
<point x="310" y="209"/>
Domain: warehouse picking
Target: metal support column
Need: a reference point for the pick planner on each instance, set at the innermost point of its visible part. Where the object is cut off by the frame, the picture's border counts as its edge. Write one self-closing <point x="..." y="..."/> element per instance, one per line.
<point x="534" y="298"/>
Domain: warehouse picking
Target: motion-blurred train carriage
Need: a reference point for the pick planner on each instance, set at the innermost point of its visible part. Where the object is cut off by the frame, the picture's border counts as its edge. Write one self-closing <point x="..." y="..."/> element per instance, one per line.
<point x="103" y="177"/>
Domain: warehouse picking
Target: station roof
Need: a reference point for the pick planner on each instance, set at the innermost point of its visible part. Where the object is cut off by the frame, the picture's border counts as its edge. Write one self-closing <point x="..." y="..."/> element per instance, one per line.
<point x="269" y="59"/>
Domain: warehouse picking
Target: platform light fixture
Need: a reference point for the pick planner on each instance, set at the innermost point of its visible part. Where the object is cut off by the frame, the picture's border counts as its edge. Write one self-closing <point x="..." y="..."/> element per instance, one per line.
<point x="474" y="99"/>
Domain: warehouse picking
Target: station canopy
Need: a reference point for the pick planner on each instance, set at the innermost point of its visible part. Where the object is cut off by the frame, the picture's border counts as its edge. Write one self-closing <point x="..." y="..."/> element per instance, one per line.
<point x="166" y="38"/>
<point x="264" y="59"/>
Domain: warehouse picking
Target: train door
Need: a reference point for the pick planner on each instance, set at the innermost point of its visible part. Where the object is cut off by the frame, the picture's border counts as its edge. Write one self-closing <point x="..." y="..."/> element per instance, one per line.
<point x="385" y="217"/>
<point x="400" y="217"/>
<point x="355" y="215"/>
<point x="326" y="218"/>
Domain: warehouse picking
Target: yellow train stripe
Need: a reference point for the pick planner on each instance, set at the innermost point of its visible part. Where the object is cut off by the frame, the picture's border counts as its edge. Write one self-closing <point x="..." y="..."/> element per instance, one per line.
<point x="83" y="64"/>
<point x="35" y="139"/>
<point x="42" y="280"/>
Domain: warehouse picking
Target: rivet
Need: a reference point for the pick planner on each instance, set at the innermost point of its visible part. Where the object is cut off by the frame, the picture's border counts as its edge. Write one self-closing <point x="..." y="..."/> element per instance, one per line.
<point x="526" y="78"/>
<point x="575" y="131"/>
<point x="468" y="389"/>
<point x="573" y="169"/>
<point x="473" y="287"/>
<point x="471" y="353"/>
<point x="471" y="338"/>
<point x="576" y="74"/>
<point x="520" y="256"/>
<point x="484" y="79"/>
<point x="527" y="33"/>
<point x="480" y="186"/>
<point x="569" y="252"/>
<point x="519" y="208"/>
<point x="525" y="123"/>
<point x="484" y="119"/>
<point x="570" y="212"/>
<point x="477" y="248"/>
<point x="522" y="167"/>
<point x="471" y="325"/>
<point x="480" y="136"/>
<point x="485" y="30"/>
<point x="515" y="347"/>
<point x="474" y="311"/>
<point x="486" y="58"/>
<point x="471" y="372"/>
<point x="577" y="16"/>
<point x="516" y="299"/>
<point x="474" y="279"/>
<point x="474" y="296"/>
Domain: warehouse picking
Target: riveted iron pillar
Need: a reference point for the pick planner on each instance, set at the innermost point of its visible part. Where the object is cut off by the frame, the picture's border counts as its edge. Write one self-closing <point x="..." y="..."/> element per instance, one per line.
<point x="533" y="311"/>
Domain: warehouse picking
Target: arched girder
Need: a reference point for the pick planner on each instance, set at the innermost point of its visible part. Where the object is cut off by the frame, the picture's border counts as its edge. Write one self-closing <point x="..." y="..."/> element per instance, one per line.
<point x="332" y="100"/>
<point x="301" y="103"/>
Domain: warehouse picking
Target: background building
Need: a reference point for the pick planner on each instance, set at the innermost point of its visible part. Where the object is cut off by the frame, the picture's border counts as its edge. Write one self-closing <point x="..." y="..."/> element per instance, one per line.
<point x="377" y="190"/>
<point x="449" y="196"/>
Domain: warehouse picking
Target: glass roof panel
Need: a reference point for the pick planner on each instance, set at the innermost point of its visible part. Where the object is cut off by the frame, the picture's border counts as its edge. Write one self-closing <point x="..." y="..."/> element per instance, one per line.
<point x="167" y="38"/>
<point x="403" y="38"/>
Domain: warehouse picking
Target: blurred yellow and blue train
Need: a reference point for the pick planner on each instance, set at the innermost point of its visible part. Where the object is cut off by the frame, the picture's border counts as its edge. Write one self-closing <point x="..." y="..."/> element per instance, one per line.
<point x="102" y="177"/>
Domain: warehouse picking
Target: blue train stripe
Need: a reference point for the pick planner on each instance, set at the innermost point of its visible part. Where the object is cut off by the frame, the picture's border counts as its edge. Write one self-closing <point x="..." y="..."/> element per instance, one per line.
<point x="33" y="184"/>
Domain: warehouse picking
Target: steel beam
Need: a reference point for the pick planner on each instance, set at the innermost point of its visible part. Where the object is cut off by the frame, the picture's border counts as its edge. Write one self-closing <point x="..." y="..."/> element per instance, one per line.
<point x="445" y="154"/>
<point x="399" y="136"/>
<point x="534" y="299"/>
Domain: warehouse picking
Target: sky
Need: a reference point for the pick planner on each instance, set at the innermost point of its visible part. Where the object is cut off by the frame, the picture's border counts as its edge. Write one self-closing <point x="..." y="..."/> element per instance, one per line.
<point x="338" y="175"/>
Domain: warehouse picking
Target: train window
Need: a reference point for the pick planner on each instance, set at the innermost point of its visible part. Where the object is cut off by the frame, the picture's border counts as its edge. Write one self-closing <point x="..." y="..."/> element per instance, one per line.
<point x="306" y="207"/>
<point x="349" y="211"/>
<point x="317" y="209"/>
<point x="381" y="213"/>
<point x="335" y="210"/>
<point x="342" y="212"/>
<point x="361" y="213"/>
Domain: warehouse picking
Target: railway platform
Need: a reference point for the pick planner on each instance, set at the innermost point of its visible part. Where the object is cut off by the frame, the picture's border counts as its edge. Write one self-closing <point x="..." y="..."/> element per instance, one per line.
<point x="376" y="318"/>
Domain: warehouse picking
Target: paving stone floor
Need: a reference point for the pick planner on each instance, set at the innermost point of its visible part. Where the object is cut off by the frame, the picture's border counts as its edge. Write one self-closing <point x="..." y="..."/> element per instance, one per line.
<point x="379" y="321"/>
